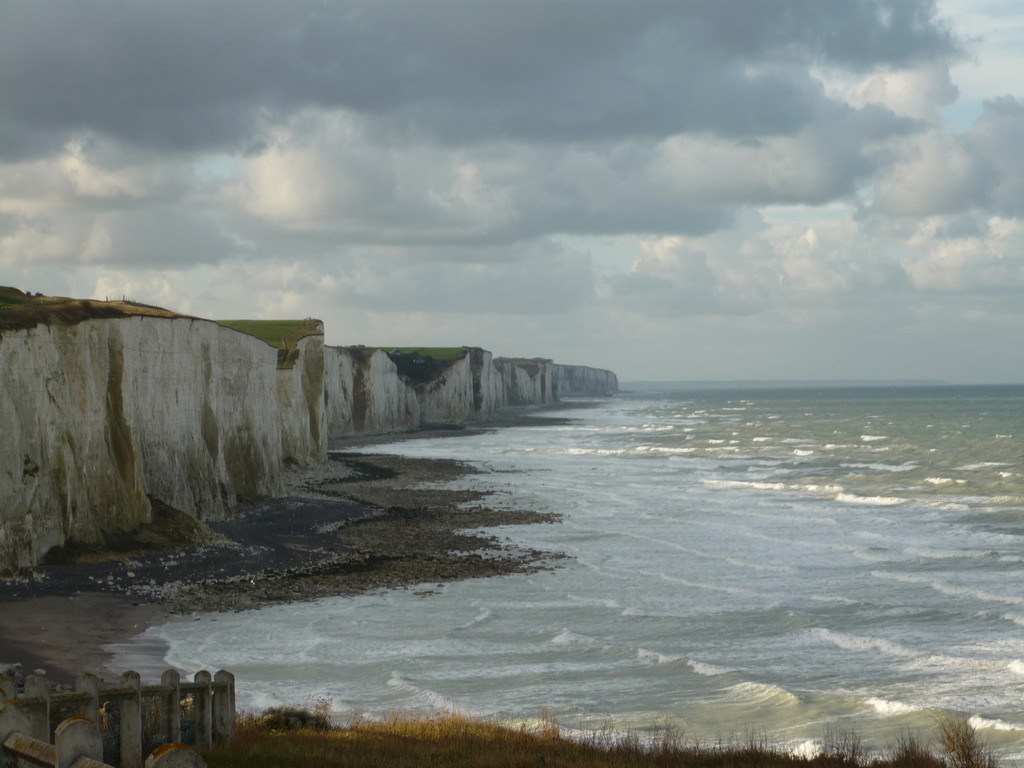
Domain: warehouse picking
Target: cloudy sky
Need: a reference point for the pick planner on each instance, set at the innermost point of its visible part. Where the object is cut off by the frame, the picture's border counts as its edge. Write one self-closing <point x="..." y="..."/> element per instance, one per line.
<point x="673" y="189"/>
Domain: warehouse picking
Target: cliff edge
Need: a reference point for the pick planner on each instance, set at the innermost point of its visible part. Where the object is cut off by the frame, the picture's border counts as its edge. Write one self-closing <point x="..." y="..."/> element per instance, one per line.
<point x="114" y="409"/>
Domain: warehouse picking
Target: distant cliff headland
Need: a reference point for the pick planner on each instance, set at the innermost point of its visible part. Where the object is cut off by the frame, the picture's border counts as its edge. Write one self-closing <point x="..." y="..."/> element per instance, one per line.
<point x="112" y="409"/>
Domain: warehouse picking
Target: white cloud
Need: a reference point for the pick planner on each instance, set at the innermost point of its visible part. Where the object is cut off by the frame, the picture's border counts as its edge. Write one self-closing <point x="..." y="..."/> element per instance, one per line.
<point x="937" y="173"/>
<point x="762" y="183"/>
<point x="916" y="93"/>
<point x="993" y="261"/>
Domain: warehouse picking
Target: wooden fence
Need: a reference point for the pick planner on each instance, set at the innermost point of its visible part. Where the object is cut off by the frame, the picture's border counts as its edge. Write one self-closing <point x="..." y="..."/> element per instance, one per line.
<point x="115" y="726"/>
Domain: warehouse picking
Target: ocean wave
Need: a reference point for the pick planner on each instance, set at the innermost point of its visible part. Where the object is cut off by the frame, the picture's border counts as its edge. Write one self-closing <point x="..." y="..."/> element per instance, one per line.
<point x="881" y="501"/>
<point x="774" y="485"/>
<point x="568" y="637"/>
<point x="653" y="657"/>
<point x="865" y="644"/>
<point x="891" y="708"/>
<point x="993" y="724"/>
<point x="423" y="697"/>
<point x="878" y="466"/>
<point x="873" y="438"/>
<point x="484" y="615"/>
<point x="707" y="670"/>
<point x="950" y="589"/>
<point x="763" y="693"/>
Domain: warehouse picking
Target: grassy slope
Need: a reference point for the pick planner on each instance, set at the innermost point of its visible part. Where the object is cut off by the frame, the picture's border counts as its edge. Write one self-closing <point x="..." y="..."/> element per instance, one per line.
<point x="283" y="335"/>
<point x="22" y="310"/>
<point x="276" y="333"/>
<point x="458" y="742"/>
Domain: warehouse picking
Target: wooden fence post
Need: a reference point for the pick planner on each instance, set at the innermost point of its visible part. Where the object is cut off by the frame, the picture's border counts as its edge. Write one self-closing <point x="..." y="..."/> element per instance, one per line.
<point x="88" y="685"/>
<point x="130" y="721"/>
<point x="224" y="705"/>
<point x="203" y="710"/>
<point x="172" y="705"/>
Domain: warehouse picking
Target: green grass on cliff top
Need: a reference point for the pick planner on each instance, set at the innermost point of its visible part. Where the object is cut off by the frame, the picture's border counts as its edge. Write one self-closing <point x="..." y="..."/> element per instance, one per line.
<point x="283" y="335"/>
<point x="276" y="333"/>
<point x="12" y="297"/>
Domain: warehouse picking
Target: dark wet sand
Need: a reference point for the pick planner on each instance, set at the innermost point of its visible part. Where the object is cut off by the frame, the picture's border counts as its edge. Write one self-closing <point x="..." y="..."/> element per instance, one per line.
<point x="357" y="524"/>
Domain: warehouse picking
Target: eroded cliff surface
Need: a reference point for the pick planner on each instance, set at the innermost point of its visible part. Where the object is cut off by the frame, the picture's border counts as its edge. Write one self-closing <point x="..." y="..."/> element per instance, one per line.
<point x="300" y="402"/>
<point x="582" y="380"/>
<point x="104" y="414"/>
<point x="527" y="381"/>
<point x="110" y="407"/>
<point x="364" y="394"/>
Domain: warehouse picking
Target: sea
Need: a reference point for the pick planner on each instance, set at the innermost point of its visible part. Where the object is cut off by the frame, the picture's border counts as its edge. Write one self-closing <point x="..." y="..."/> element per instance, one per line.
<point x="791" y="565"/>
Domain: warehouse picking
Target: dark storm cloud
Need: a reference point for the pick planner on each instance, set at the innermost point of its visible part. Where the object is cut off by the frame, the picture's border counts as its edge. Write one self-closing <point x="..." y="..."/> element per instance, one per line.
<point x="198" y="75"/>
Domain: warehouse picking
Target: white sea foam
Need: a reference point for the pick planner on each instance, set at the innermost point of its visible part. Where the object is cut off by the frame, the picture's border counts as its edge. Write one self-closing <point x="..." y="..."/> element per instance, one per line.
<point x="682" y="549"/>
<point x="866" y="644"/>
<point x="653" y="657"/>
<point x="568" y="637"/>
<point x="891" y="708"/>
<point x="993" y="724"/>
<point x="876" y="466"/>
<point x="873" y="438"/>
<point x="423" y="697"/>
<point x="950" y="589"/>
<point x="880" y="501"/>
<point x="763" y="693"/>
<point x="707" y="670"/>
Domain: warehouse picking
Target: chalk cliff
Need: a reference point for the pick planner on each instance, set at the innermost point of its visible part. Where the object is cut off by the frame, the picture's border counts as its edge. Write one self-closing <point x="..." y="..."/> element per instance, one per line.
<point x="582" y="380"/>
<point x="370" y="391"/>
<point x="526" y="381"/>
<point x="104" y="414"/>
<point x="364" y="393"/>
<point x="300" y="403"/>
<point x="110" y="407"/>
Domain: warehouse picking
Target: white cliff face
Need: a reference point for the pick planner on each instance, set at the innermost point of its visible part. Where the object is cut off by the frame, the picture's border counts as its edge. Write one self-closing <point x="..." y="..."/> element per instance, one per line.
<point x="364" y="394"/>
<point x="527" y="382"/>
<point x="488" y="388"/>
<point x="300" y="402"/>
<point x="582" y="380"/>
<point x="448" y="398"/>
<point x="367" y="393"/>
<point x="103" y="413"/>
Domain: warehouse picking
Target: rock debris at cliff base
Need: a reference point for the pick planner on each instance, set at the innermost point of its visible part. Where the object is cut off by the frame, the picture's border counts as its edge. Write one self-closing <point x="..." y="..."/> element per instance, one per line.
<point x="361" y="522"/>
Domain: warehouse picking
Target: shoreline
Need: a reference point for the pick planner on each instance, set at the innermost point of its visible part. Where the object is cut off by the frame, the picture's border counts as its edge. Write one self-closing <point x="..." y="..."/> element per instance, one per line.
<point x="355" y="524"/>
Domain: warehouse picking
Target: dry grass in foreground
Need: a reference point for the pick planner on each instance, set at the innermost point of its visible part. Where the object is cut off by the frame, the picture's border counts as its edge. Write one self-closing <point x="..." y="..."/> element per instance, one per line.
<point x="287" y="738"/>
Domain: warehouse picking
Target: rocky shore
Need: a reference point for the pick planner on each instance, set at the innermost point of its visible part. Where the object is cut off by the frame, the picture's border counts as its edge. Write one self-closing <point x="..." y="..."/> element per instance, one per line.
<point x="361" y="522"/>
